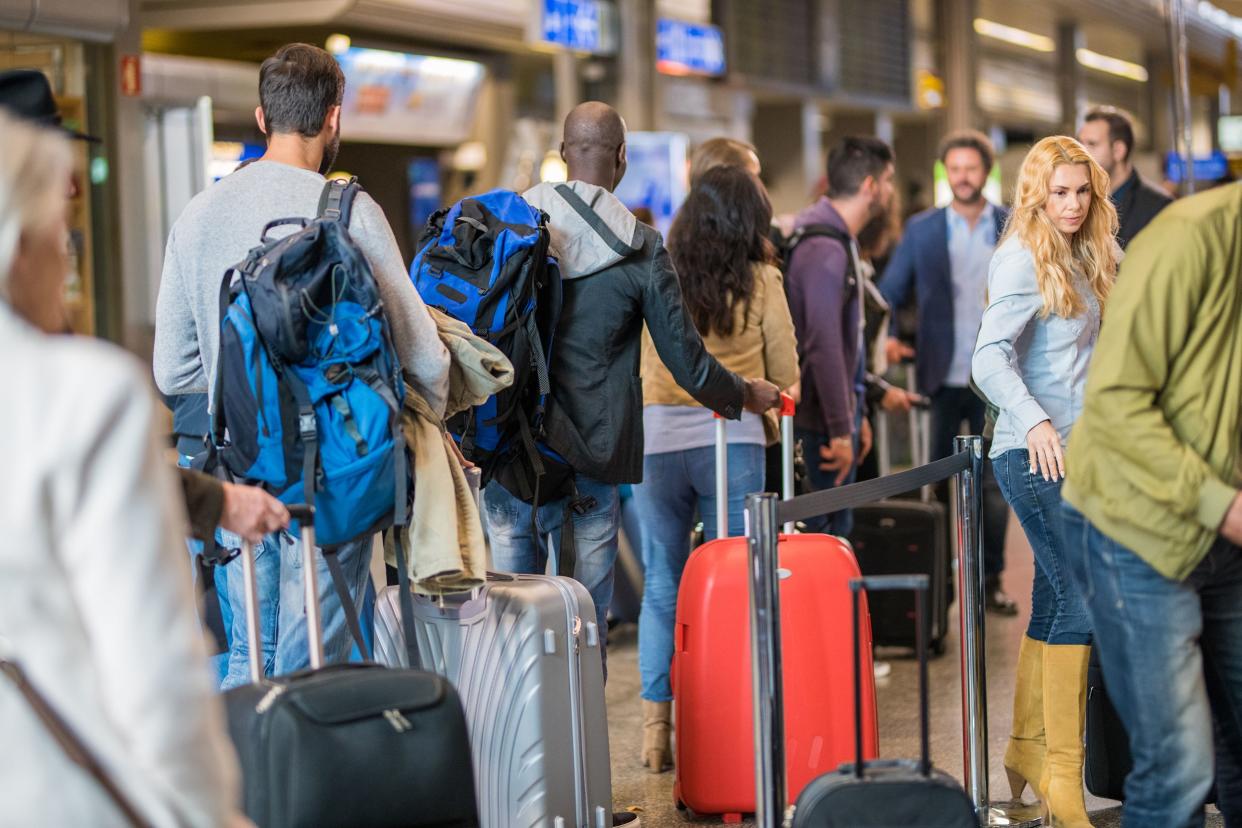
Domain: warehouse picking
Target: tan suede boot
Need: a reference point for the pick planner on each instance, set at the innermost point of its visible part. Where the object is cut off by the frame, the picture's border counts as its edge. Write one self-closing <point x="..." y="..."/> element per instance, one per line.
<point x="1065" y="716"/>
<point x="657" y="730"/>
<point x="1024" y="757"/>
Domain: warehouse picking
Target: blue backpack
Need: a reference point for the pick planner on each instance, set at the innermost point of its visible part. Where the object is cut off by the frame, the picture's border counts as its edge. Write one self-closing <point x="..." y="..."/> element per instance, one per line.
<point x="308" y="387"/>
<point x="485" y="261"/>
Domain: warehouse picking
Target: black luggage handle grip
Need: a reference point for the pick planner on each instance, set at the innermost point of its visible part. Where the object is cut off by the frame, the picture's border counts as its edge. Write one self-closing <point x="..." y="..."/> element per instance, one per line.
<point x="920" y="584"/>
<point x="300" y="222"/>
<point x="301" y="511"/>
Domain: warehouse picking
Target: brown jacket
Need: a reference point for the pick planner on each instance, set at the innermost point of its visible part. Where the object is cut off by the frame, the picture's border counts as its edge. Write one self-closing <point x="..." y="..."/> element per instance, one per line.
<point x="762" y="345"/>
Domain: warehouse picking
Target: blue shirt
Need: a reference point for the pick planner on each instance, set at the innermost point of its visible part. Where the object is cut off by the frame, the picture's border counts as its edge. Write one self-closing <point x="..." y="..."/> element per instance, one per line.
<point x="1032" y="368"/>
<point x="970" y="251"/>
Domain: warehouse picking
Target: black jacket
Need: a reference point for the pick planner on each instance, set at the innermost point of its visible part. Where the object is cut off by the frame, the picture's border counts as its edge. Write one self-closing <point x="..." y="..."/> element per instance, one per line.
<point x="1136" y="206"/>
<point x="617" y="275"/>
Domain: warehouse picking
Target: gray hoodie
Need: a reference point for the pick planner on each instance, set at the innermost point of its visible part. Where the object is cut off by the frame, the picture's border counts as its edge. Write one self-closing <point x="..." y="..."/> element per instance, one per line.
<point x="617" y="276"/>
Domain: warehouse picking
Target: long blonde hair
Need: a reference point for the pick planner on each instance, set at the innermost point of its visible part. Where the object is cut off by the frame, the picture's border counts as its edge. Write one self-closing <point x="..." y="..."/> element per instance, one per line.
<point x="1092" y="250"/>
<point x="34" y="173"/>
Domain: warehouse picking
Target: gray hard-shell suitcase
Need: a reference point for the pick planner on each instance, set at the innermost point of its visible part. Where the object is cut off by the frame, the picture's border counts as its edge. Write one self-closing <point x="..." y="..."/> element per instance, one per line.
<point x="524" y="653"/>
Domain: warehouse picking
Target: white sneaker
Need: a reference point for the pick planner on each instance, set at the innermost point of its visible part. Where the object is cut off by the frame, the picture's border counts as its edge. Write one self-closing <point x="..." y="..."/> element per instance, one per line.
<point x="882" y="669"/>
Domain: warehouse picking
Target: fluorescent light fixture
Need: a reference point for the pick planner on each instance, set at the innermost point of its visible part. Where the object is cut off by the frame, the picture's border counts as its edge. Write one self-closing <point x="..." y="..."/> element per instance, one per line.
<point x="1016" y="37"/>
<point x="1112" y="65"/>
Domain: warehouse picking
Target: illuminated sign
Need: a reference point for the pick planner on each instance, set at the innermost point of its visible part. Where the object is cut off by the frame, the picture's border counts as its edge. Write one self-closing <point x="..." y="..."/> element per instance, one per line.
<point x="689" y="48"/>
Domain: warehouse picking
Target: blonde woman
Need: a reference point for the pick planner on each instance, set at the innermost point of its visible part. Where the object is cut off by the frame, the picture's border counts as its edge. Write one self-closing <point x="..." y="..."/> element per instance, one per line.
<point x="1047" y="283"/>
<point x="96" y="606"/>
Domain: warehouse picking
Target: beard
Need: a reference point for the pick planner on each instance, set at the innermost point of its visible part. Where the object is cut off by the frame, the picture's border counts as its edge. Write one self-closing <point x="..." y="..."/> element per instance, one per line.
<point x="968" y="194"/>
<point x="329" y="154"/>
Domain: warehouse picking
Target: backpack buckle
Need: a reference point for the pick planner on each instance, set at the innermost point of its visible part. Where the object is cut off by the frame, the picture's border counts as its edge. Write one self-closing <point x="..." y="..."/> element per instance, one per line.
<point x="306" y="425"/>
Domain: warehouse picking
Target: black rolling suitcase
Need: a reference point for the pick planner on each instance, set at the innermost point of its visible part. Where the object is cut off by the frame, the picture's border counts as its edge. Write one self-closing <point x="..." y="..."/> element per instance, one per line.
<point x="1107" y="761"/>
<point x="894" y="537"/>
<point x="348" y="744"/>
<point x="887" y="793"/>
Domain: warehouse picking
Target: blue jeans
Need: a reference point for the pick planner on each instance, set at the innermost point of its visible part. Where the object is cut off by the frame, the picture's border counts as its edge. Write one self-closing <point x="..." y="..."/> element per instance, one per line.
<point x="1058" y="615"/>
<point x="674" y="485"/>
<point x="282" y="606"/>
<point x="1172" y="658"/>
<point x="516" y="549"/>
<point x="838" y="523"/>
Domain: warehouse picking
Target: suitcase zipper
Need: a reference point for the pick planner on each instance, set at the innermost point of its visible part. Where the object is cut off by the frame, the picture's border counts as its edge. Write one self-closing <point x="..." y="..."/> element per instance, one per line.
<point x="269" y="698"/>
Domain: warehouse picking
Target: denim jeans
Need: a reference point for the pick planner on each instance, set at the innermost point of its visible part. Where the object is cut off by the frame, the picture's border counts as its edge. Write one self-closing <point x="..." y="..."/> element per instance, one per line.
<point x="516" y="549"/>
<point x="950" y="407"/>
<point x="234" y="666"/>
<point x="1058" y="615"/>
<point x="1172" y="658"/>
<point x="838" y="523"/>
<point x="674" y="485"/>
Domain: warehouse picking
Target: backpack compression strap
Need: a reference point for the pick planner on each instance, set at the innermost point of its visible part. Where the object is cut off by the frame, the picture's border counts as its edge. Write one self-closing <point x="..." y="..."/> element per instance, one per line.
<point x="336" y="202"/>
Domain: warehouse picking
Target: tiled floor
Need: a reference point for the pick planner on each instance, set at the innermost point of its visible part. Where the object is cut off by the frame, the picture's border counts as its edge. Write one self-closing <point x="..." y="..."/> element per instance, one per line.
<point x="651" y="795"/>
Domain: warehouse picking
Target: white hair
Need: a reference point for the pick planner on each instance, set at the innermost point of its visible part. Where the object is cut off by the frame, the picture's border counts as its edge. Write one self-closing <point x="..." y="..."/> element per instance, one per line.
<point x="35" y="165"/>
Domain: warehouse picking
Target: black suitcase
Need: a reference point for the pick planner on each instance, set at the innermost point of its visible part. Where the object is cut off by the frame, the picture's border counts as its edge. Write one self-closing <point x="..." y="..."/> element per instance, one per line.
<point x="894" y="537"/>
<point x="887" y="793"/>
<point x="1107" y="761"/>
<point x="348" y="744"/>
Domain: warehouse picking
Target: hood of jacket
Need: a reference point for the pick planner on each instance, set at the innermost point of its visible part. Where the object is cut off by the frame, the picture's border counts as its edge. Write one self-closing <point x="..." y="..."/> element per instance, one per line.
<point x="591" y="229"/>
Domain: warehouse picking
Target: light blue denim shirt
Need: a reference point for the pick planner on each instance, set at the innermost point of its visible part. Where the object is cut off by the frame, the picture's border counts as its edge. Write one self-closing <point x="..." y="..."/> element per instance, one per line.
<point x="1032" y="368"/>
<point x="970" y="252"/>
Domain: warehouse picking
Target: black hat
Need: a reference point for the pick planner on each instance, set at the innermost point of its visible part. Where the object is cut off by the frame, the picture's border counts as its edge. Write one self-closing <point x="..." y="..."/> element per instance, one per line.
<point x="27" y="94"/>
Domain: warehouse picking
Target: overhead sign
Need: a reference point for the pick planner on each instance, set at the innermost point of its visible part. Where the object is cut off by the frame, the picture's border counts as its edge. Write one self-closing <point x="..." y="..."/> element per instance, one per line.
<point x="400" y="98"/>
<point x="1212" y="167"/>
<point x="580" y="25"/>
<point x="689" y="48"/>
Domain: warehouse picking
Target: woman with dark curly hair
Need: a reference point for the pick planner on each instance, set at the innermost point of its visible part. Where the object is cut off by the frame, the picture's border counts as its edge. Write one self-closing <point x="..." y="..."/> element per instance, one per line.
<point x="733" y="291"/>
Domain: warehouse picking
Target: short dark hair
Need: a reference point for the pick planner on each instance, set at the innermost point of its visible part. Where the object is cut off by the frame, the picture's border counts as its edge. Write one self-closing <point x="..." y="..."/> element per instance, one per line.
<point x="1120" y="125"/>
<point x="297" y="87"/>
<point x="969" y="139"/>
<point x="852" y="160"/>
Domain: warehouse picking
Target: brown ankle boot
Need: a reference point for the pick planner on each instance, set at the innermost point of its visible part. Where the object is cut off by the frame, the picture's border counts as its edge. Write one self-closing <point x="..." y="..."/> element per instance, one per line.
<point x="1024" y="757"/>
<point x="657" y="730"/>
<point x="1065" y="716"/>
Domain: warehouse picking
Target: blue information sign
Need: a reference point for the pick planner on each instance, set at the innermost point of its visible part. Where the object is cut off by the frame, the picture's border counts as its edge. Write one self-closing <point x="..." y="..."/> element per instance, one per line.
<point x="1212" y="167"/>
<point x="574" y="24"/>
<point x="689" y="48"/>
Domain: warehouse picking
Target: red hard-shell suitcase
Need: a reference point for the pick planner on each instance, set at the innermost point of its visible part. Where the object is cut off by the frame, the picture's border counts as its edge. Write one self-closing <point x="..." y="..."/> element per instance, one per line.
<point x="715" y="750"/>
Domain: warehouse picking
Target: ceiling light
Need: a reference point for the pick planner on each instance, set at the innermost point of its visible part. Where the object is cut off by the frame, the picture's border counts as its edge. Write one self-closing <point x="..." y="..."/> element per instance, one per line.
<point x="1017" y="37"/>
<point x="553" y="168"/>
<point x="338" y="44"/>
<point x="1112" y="65"/>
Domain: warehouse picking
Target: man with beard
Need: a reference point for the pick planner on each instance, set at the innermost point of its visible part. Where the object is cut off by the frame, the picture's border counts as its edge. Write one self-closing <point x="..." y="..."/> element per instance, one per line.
<point x="300" y="92"/>
<point x="944" y="256"/>
<point x="1108" y="134"/>
<point x="826" y="303"/>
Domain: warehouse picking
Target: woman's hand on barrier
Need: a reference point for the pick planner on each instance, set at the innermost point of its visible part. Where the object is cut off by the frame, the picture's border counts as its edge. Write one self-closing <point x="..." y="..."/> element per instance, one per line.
<point x="837" y="456"/>
<point x="1044" y="446"/>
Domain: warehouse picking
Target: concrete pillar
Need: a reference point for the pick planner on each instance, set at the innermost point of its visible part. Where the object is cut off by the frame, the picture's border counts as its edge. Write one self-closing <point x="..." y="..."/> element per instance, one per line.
<point x="636" y="89"/>
<point x="1070" y="39"/>
<point x="958" y="48"/>
<point x="139" y="286"/>
<point x="566" y="83"/>
<point x="812" y="151"/>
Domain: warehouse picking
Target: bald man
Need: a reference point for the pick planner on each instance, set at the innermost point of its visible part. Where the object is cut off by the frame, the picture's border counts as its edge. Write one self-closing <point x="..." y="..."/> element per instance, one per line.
<point x="617" y="276"/>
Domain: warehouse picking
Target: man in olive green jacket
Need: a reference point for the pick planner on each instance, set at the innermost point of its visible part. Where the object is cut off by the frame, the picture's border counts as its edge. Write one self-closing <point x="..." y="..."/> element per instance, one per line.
<point x="1153" y="513"/>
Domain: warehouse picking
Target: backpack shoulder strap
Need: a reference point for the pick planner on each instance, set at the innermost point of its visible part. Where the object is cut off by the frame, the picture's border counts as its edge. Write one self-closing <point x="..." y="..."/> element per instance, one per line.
<point x="824" y="230"/>
<point x="336" y="202"/>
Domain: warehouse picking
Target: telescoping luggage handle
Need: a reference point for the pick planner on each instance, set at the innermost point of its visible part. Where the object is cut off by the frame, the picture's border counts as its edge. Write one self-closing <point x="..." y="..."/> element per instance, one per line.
<point x="305" y="516"/>
<point x="878" y="583"/>
<point x="788" y="408"/>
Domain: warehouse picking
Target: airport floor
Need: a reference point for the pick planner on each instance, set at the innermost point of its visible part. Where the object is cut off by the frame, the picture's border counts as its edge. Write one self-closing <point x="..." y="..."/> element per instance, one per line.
<point x="651" y="795"/>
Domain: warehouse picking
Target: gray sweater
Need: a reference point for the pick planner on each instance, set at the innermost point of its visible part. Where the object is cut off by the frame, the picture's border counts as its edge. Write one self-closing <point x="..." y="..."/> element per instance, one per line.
<point x="218" y="228"/>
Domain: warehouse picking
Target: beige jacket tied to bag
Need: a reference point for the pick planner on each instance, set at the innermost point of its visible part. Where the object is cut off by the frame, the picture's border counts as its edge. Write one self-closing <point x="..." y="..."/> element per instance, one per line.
<point x="446" y="548"/>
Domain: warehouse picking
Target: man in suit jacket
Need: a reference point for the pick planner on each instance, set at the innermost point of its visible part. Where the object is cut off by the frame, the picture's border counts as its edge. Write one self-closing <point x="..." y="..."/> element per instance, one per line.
<point x="944" y="257"/>
<point x="1108" y="134"/>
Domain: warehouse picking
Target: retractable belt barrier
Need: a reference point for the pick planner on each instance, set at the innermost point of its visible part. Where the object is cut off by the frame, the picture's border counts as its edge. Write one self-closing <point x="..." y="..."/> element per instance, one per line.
<point x="826" y="502"/>
<point x="764" y="516"/>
